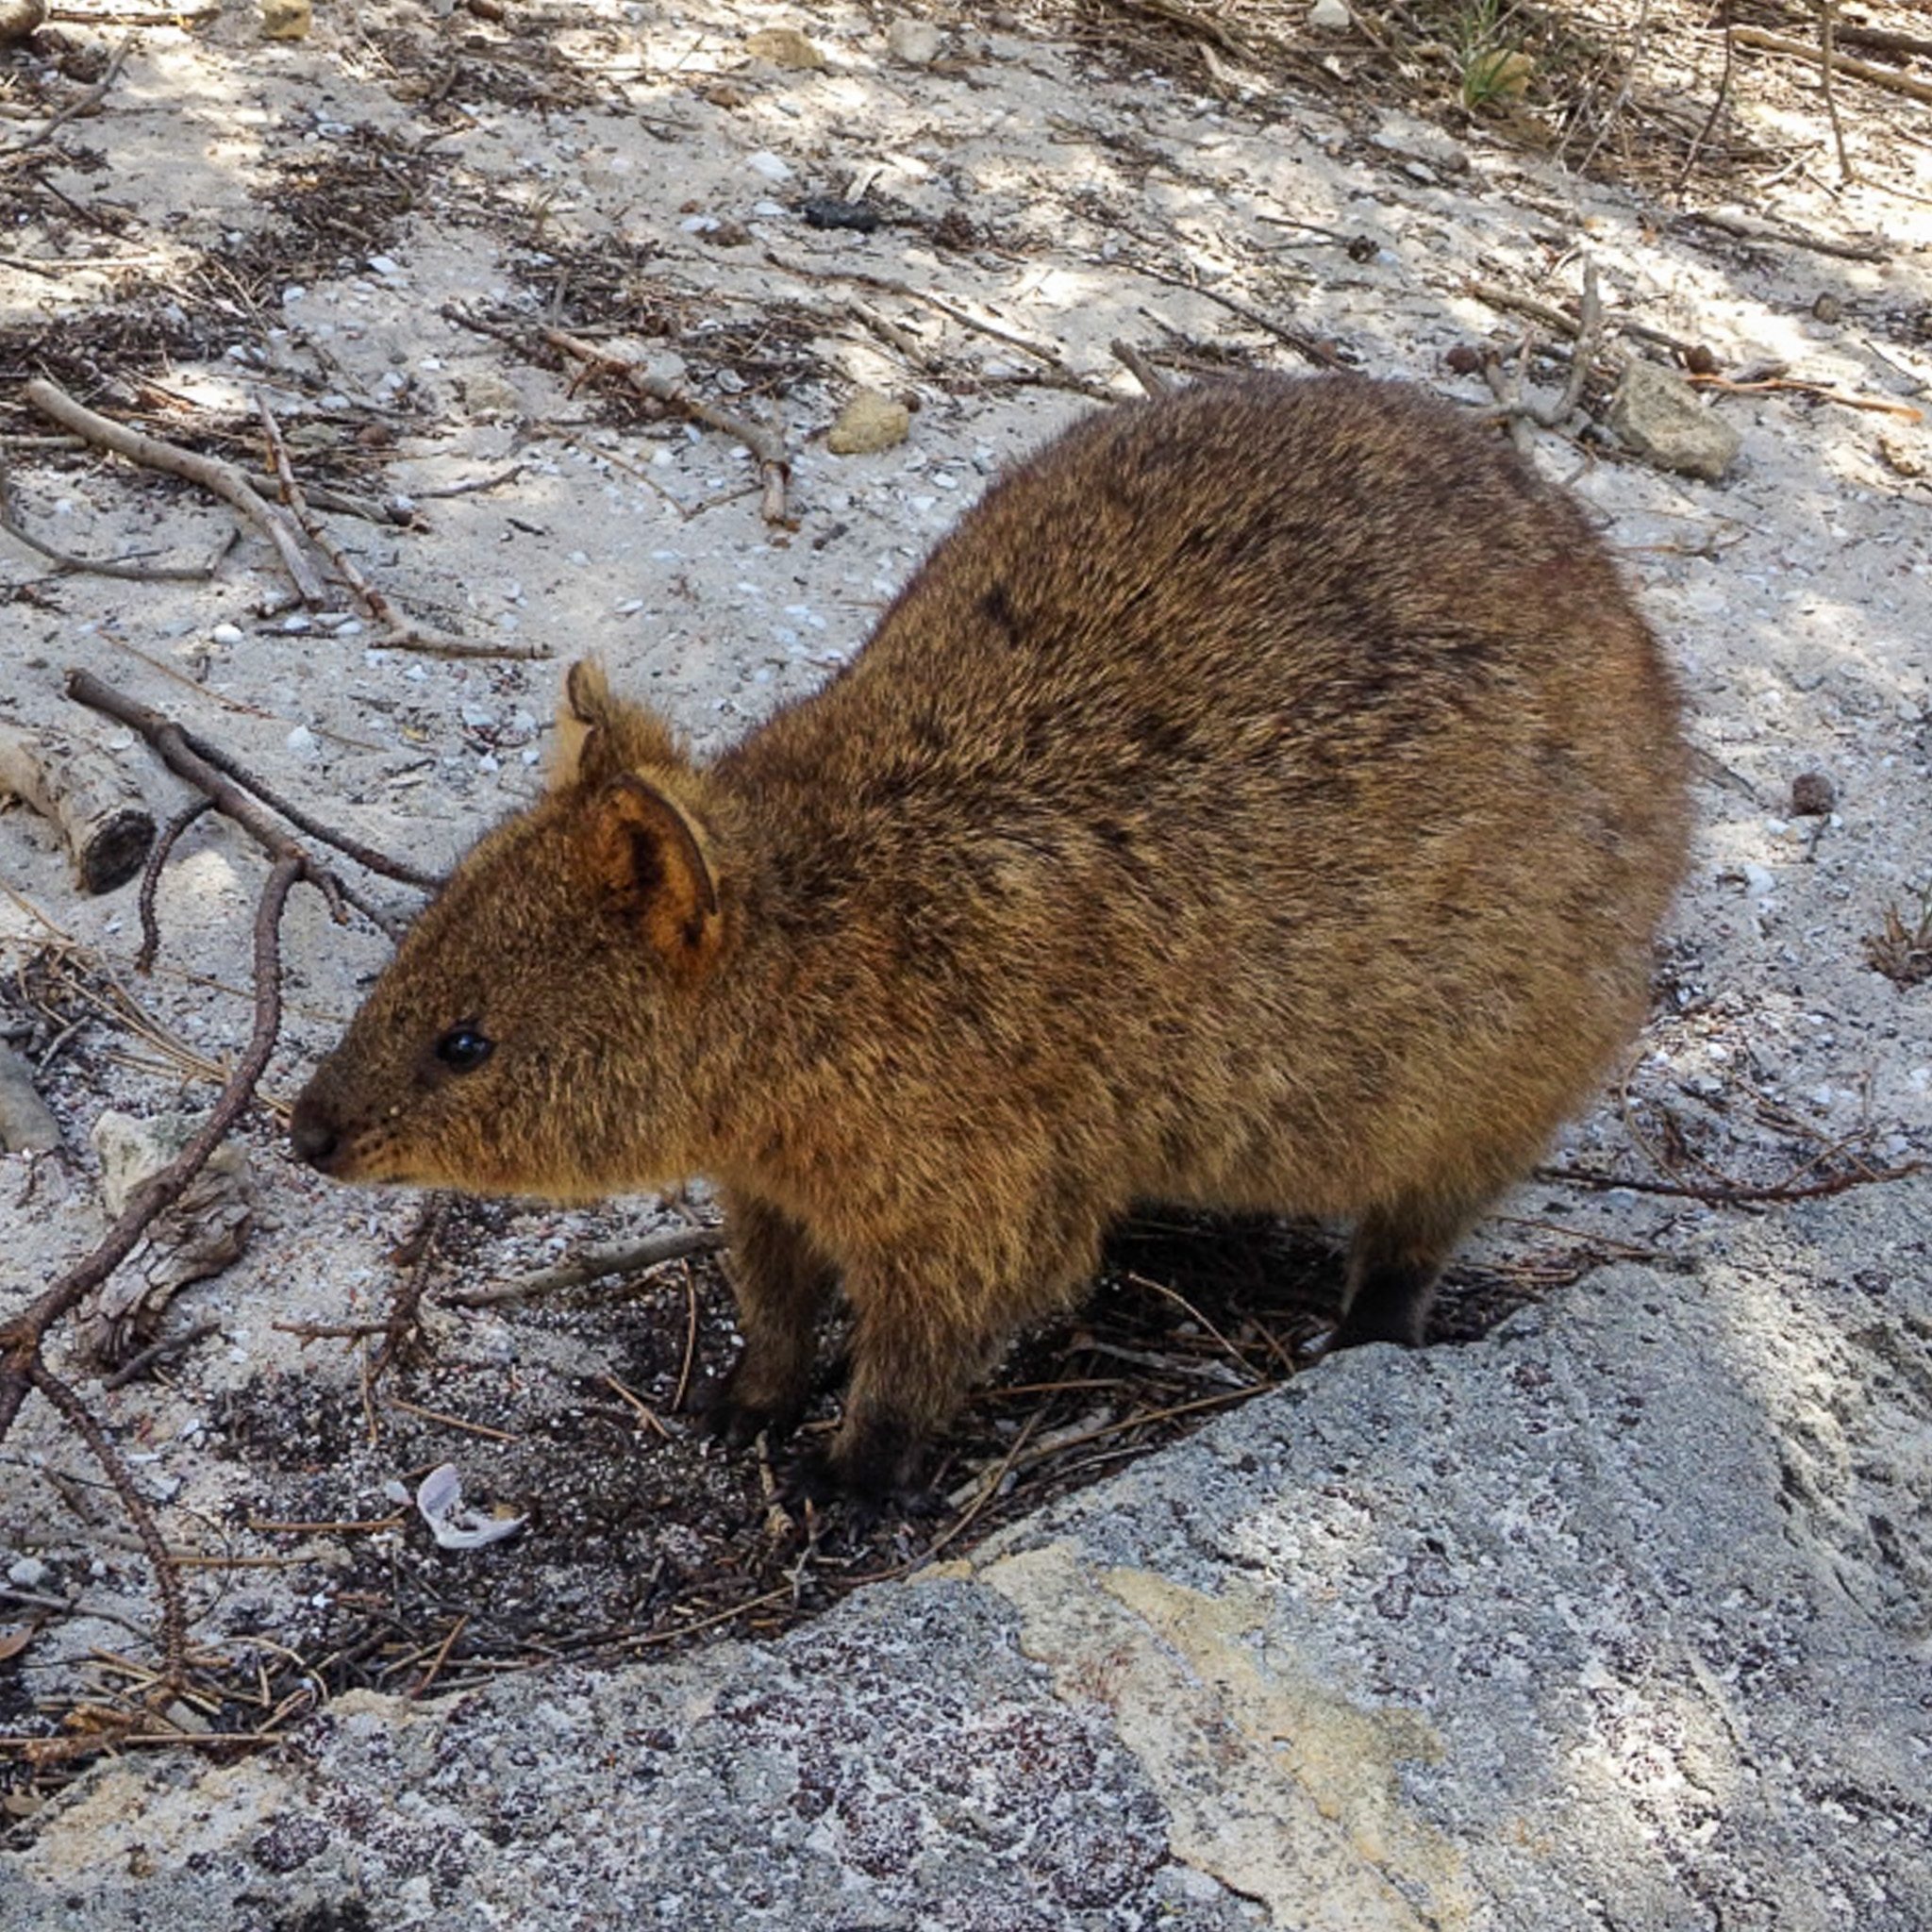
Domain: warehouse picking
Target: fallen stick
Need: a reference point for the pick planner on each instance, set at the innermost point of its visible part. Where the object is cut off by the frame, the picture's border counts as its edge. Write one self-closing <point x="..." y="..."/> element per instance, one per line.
<point x="22" y="1365"/>
<point x="1517" y="409"/>
<point x="774" y="467"/>
<point x="1781" y="234"/>
<point x="234" y="790"/>
<point x="1877" y="404"/>
<point x="1311" y="348"/>
<point x="63" y="560"/>
<point x="81" y="104"/>
<point x="1887" y="77"/>
<point x="595" y="1266"/>
<point x="1149" y="379"/>
<point x="890" y="285"/>
<point x="103" y="820"/>
<point x="222" y="478"/>
<point x="401" y="633"/>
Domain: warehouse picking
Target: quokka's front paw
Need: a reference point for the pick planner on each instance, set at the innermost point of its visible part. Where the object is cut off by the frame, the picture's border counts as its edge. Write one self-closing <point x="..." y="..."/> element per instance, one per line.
<point x="724" y="1409"/>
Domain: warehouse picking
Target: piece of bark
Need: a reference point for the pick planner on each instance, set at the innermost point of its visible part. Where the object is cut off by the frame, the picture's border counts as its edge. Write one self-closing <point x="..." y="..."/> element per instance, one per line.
<point x="25" y="1126"/>
<point x="207" y="1230"/>
<point x="98" y="809"/>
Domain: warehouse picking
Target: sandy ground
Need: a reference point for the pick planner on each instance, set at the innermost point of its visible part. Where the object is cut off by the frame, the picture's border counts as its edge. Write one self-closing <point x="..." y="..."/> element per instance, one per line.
<point x="370" y="227"/>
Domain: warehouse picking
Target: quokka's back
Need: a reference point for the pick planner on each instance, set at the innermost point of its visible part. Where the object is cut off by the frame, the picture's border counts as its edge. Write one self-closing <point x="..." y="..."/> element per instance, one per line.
<point x="1267" y="798"/>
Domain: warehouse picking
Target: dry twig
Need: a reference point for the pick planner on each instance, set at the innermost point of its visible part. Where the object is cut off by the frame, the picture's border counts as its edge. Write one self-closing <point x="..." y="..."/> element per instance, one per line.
<point x="1517" y="409"/>
<point x="1817" y="390"/>
<point x="81" y="104"/>
<point x="23" y="1335"/>
<point x="1149" y="379"/>
<point x="765" y="444"/>
<point x="1887" y="77"/>
<point x="222" y="478"/>
<point x="636" y="1258"/>
<point x="400" y="633"/>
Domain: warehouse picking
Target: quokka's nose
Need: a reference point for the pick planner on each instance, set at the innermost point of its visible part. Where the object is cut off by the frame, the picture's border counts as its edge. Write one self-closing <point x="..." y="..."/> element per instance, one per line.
<point x="312" y="1134"/>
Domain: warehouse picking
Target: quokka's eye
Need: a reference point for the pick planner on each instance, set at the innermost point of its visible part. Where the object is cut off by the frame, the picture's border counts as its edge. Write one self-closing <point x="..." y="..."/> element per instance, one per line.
<point x="464" y="1048"/>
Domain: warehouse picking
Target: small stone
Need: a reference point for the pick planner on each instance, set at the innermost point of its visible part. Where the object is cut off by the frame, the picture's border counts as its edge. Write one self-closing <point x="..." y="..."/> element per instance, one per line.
<point x="827" y="211"/>
<point x="1658" y="415"/>
<point x="783" y="46"/>
<point x="488" y="395"/>
<point x="1901" y="454"/>
<point x="917" y="43"/>
<point x="227" y="634"/>
<point x="285" y="20"/>
<point x="1503" y="76"/>
<point x="769" y="165"/>
<point x="1813" y="795"/>
<point x="1330" y="16"/>
<point x="869" y="422"/>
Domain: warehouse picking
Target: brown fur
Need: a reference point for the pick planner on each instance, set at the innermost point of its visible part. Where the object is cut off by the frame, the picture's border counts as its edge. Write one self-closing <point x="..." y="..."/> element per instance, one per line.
<point x="1267" y="798"/>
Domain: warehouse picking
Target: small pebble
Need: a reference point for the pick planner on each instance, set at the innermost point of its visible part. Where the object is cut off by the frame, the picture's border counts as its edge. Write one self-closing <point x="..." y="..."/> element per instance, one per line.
<point x="1813" y="795"/>
<point x="784" y="46"/>
<point x="869" y="422"/>
<point x="826" y="211"/>
<point x="915" y="42"/>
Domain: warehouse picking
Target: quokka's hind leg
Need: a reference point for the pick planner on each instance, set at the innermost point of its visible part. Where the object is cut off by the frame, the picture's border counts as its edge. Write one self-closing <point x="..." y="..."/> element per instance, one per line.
<point x="1394" y="1262"/>
<point x="781" y="1285"/>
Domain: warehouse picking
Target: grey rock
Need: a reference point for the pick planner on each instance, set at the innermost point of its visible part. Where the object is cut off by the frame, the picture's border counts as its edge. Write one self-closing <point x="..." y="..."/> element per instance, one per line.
<point x="917" y="43"/>
<point x="1620" y="1619"/>
<point x="1658" y="415"/>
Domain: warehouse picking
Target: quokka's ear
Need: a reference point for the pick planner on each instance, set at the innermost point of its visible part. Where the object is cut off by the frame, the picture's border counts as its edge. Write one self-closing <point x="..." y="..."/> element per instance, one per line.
<point x="647" y="854"/>
<point x="598" y="735"/>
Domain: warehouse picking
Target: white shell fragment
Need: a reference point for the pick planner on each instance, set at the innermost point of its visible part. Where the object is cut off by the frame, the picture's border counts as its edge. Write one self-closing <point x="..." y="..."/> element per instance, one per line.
<point x="455" y="1526"/>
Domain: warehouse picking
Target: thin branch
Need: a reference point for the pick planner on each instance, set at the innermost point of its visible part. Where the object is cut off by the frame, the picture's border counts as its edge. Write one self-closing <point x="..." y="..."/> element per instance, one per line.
<point x="21" y="1333"/>
<point x="774" y="466"/>
<point x="210" y="769"/>
<point x="1309" y="347"/>
<point x="1828" y="18"/>
<point x="1717" y="106"/>
<point x="140" y="1513"/>
<point x="213" y="472"/>
<point x="1735" y="1193"/>
<point x="164" y="1350"/>
<point x="401" y="633"/>
<point x="635" y="1258"/>
<point x="151" y="878"/>
<point x="1888" y="77"/>
<point x="81" y="104"/>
